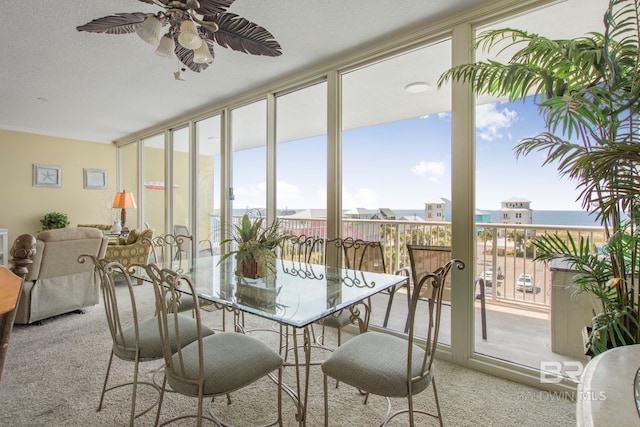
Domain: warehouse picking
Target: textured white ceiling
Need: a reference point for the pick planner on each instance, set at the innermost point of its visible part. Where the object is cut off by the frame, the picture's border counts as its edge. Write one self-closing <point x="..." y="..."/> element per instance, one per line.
<point x="98" y="87"/>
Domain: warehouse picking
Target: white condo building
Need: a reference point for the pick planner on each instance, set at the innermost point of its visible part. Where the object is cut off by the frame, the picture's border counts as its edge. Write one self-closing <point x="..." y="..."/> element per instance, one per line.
<point x="516" y="210"/>
<point x="437" y="209"/>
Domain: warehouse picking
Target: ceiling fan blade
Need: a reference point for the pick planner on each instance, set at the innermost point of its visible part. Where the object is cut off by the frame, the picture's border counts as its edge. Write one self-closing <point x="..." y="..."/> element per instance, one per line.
<point x="211" y="7"/>
<point x="242" y="35"/>
<point x="186" y="55"/>
<point x="120" y="23"/>
<point x="164" y="2"/>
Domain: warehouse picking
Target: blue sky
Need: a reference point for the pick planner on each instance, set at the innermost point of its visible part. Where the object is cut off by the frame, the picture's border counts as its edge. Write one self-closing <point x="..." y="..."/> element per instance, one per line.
<point x="402" y="165"/>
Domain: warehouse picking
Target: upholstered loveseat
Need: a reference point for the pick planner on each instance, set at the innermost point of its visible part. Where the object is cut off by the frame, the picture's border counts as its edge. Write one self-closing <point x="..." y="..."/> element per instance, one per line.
<point x="135" y="248"/>
<point x="56" y="282"/>
<point x="103" y="227"/>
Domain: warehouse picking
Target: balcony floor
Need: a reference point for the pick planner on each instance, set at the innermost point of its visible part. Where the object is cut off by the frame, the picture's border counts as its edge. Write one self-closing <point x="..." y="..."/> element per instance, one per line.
<point x="516" y="335"/>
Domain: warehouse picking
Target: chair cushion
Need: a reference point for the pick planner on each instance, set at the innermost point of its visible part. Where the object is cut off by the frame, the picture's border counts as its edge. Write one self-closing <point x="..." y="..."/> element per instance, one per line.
<point x="149" y="336"/>
<point x="231" y="361"/>
<point x="338" y="320"/>
<point x="376" y="363"/>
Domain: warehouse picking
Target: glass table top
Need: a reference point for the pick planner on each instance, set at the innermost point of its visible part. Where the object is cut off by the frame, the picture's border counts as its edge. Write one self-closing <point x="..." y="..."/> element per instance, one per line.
<point x="298" y="295"/>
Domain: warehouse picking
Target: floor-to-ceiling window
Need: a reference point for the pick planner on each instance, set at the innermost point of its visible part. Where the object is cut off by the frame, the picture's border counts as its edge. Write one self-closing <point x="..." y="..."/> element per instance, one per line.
<point x="301" y="156"/>
<point x="153" y="180"/>
<point x="129" y="181"/>
<point x="249" y="146"/>
<point x="208" y="190"/>
<point x="396" y="161"/>
<point x="181" y="181"/>
<point x="515" y="192"/>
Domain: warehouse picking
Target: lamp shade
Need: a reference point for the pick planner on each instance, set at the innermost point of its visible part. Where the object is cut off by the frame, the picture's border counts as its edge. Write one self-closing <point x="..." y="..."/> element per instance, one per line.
<point x="124" y="200"/>
<point x="150" y="30"/>
<point x="189" y="38"/>
<point x="166" y="47"/>
<point x="202" y="55"/>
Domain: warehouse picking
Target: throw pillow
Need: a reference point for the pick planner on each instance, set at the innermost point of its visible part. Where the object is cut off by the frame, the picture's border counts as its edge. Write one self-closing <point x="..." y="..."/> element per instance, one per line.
<point x="133" y="237"/>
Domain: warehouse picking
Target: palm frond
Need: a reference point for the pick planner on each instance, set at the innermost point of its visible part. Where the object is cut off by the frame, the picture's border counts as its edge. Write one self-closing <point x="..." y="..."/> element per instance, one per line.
<point x="120" y="23"/>
<point x="237" y="33"/>
<point x="212" y="7"/>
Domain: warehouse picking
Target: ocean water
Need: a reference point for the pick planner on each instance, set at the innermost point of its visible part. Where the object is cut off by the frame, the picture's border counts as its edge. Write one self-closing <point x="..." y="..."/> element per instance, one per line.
<point x="540" y="217"/>
<point x="579" y="218"/>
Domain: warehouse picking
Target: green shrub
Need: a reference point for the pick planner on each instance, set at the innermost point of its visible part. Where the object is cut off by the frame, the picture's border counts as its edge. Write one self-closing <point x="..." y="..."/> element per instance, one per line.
<point x="54" y="220"/>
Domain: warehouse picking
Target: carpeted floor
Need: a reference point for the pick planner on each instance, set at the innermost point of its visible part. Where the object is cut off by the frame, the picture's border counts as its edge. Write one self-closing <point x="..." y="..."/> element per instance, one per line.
<point x="54" y="372"/>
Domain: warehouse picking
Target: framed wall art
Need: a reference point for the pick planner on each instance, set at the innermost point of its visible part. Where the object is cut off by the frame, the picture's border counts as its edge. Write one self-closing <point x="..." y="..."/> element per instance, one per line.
<point x="47" y="176"/>
<point x="95" y="179"/>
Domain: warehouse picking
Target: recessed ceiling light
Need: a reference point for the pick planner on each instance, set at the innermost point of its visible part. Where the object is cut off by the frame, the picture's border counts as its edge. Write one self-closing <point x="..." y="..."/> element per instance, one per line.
<point x="417" y="87"/>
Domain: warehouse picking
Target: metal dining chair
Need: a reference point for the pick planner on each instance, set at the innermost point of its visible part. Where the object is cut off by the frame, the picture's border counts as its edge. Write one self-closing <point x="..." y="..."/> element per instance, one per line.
<point x="424" y="259"/>
<point x="133" y="339"/>
<point x="211" y="365"/>
<point x="300" y="251"/>
<point x="394" y="366"/>
<point x="369" y="256"/>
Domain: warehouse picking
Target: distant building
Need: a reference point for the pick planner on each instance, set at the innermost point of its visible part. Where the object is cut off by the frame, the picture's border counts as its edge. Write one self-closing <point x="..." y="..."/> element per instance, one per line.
<point x="516" y="210"/>
<point x="385" y="214"/>
<point x="437" y="210"/>
<point x="483" y="216"/>
<point x="360" y="213"/>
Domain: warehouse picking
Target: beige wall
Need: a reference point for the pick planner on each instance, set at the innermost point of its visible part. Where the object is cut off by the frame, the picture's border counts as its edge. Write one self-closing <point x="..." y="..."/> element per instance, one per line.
<point x="22" y="205"/>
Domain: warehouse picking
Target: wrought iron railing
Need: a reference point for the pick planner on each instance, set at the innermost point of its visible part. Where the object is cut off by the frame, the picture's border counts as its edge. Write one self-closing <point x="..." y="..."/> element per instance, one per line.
<point x="503" y="249"/>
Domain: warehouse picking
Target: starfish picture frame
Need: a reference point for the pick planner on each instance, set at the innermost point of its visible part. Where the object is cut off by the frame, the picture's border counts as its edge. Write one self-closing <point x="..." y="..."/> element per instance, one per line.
<point x="47" y="176"/>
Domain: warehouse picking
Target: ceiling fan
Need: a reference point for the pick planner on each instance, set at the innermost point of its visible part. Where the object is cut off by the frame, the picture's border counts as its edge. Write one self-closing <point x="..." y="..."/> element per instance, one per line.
<point x="188" y="29"/>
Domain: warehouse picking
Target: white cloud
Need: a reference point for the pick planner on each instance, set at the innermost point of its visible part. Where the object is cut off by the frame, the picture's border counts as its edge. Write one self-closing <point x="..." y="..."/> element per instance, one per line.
<point x="362" y="198"/>
<point x="490" y="121"/>
<point x="444" y="116"/>
<point x="289" y="195"/>
<point x="432" y="170"/>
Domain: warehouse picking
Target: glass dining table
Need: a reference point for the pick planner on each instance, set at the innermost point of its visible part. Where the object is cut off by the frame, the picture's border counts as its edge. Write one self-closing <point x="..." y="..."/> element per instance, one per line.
<point x="298" y="295"/>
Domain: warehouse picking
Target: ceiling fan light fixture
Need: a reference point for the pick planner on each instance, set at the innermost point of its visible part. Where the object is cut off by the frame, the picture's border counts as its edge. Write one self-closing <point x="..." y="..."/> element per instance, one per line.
<point x="166" y="47"/>
<point x="189" y="38"/>
<point x="191" y="24"/>
<point x="150" y="30"/>
<point x="202" y="55"/>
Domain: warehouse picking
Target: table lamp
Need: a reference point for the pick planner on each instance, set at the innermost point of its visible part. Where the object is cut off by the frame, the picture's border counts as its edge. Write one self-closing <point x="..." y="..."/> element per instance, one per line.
<point x="124" y="201"/>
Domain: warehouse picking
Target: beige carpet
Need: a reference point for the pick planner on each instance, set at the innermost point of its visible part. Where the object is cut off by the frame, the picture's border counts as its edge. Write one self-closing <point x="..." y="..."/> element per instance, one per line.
<point x="54" y="373"/>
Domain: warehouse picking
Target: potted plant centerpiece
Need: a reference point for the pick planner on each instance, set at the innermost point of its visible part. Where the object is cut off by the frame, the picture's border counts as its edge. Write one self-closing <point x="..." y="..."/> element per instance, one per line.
<point x="255" y="246"/>
<point x="588" y="91"/>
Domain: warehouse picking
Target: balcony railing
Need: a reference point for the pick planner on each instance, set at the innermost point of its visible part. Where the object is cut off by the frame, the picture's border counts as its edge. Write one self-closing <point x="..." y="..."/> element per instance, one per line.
<point x="504" y="248"/>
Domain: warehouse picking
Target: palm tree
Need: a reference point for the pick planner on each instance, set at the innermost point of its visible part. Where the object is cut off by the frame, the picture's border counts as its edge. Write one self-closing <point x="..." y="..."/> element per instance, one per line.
<point x="588" y="91"/>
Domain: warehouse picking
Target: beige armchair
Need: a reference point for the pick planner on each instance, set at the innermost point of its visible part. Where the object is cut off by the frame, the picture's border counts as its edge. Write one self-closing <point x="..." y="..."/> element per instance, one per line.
<point x="56" y="282"/>
<point x="134" y="249"/>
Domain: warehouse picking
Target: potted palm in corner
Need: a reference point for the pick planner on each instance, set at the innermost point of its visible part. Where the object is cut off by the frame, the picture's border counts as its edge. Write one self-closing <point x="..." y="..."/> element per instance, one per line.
<point x="588" y="91"/>
<point x="255" y="246"/>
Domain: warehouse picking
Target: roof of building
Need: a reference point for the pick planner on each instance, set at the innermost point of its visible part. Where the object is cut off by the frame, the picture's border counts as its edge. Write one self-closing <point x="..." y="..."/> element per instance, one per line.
<point x="438" y="200"/>
<point x="310" y="213"/>
<point x="516" y="199"/>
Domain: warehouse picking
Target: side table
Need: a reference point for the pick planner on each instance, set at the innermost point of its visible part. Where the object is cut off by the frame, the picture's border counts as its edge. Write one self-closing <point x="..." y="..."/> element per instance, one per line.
<point x="4" y="247"/>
